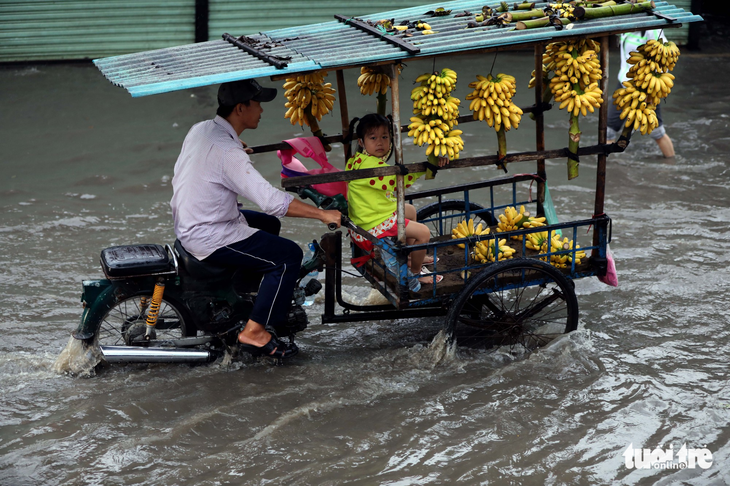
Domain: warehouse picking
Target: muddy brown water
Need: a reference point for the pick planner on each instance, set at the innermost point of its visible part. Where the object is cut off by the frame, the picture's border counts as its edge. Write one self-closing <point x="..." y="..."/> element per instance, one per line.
<point x="85" y="166"/>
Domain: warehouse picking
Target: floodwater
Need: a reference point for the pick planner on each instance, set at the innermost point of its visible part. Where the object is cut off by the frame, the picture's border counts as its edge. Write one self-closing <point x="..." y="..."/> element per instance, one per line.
<point x="85" y="166"/>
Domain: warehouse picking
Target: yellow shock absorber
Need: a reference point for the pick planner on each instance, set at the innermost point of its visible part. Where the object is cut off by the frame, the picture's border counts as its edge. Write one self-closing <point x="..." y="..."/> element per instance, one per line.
<point x="154" y="308"/>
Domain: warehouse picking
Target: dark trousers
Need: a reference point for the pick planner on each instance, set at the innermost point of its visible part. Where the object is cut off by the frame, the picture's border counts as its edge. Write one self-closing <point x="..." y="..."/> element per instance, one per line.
<point x="277" y="258"/>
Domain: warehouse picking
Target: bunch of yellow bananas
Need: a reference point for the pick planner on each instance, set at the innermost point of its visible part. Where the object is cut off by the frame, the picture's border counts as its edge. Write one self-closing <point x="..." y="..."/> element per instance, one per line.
<point x="535" y="241"/>
<point x="665" y="54"/>
<point x="539" y="242"/>
<point x="554" y="59"/>
<point x="564" y="260"/>
<point x="534" y="222"/>
<point x="637" y="108"/>
<point x="492" y="101"/>
<point x="574" y="85"/>
<point x="436" y="113"/>
<point x="309" y="98"/>
<point x="433" y="96"/>
<point x="650" y="68"/>
<point x="514" y="220"/>
<point x="577" y="72"/>
<point x="649" y="82"/>
<point x="589" y="100"/>
<point x="441" y="139"/>
<point x="372" y="81"/>
<point x="581" y="61"/>
<point x="465" y="229"/>
<point x="484" y="250"/>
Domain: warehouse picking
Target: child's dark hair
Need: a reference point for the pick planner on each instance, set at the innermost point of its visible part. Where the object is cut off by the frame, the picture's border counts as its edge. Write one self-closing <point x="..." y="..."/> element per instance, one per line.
<point x="367" y="123"/>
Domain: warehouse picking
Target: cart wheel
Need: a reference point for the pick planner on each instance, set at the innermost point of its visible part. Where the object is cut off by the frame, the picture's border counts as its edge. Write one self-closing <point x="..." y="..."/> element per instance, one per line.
<point x="519" y="302"/>
<point x="451" y="213"/>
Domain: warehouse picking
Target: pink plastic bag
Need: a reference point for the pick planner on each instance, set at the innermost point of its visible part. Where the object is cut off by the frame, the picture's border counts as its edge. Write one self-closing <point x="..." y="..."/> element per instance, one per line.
<point x="310" y="147"/>
<point x="611" y="277"/>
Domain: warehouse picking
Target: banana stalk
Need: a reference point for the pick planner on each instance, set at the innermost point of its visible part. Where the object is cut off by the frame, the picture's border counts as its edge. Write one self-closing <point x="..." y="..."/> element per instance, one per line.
<point x="547" y="94"/>
<point x="542" y="22"/>
<point x="626" y="133"/>
<point x="574" y="134"/>
<point x="582" y="13"/>
<point x="435" y="161"/>
<point x="525" y="6"/>
<point x="381" y="103"/>
<point x="527" y="14"/>
<point x="501" y="147"/>
<point x="314" y="125"/>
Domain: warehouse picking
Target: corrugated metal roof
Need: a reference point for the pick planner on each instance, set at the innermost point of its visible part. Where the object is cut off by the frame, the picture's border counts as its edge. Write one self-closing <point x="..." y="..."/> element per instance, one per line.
<point x="333" y="45"/>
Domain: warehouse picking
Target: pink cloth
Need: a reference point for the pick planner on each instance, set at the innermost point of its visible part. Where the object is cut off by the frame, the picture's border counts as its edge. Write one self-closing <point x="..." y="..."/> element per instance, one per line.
<point x="611" y="277"/>
<point x="310" y="147"/>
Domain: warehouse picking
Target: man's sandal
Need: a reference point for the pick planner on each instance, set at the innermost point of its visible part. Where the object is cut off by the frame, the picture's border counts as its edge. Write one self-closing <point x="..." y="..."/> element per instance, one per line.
<point x="273" y="348"/>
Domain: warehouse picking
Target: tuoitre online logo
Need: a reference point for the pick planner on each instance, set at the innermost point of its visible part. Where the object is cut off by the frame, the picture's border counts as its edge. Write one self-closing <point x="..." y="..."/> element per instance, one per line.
<point x="666" y="459"/>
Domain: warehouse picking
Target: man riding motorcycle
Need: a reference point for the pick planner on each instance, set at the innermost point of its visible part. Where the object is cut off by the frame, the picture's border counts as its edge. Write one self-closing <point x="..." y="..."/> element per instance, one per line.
<point x="213" y="169"/>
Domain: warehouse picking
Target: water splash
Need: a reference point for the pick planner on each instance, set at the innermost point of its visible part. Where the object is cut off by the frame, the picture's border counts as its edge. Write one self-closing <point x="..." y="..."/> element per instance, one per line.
<point x="78" y="359"/>
<point x="441" y="350"/>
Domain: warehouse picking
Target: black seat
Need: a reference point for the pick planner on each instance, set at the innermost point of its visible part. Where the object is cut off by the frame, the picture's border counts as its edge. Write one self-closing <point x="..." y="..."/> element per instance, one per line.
<point x="198" y="269"/>
<point x="134" y="260"/>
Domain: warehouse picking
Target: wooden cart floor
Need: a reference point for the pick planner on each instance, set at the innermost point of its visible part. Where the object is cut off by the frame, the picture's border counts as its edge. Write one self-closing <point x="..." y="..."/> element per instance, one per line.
<point x="451" y="262"/>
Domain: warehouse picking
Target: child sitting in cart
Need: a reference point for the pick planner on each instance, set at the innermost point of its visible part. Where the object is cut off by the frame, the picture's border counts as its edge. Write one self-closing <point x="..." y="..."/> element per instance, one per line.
<point x="372" y="202"/>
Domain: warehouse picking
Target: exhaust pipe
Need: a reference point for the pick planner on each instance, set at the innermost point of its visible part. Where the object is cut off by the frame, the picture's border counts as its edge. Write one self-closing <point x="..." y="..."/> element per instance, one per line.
<point x="133" y="354"/>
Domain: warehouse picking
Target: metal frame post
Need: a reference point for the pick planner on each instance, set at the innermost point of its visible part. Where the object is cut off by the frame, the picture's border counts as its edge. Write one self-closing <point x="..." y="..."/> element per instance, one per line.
<point x="398" y="149"/>
<point x="601" y="158"/>
<point x="539" y="129"/>
<point x="344" y="115"/>
<point x="332" y="245"/>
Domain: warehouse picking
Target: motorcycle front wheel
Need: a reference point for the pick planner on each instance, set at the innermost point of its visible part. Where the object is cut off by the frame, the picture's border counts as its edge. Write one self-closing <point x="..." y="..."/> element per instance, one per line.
<point x="125" y="323"/>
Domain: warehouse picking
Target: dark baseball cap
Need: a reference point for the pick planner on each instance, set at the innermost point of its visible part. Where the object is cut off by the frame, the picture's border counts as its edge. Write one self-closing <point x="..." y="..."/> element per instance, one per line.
<point x="230" y="94"/>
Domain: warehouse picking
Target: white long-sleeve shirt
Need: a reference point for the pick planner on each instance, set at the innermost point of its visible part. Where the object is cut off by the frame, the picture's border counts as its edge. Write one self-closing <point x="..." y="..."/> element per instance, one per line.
<point x="210" y="173"/>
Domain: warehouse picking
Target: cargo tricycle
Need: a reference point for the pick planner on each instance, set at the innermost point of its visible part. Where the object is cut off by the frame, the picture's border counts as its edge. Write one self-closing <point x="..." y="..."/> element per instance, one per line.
<point x="494" y="284"/>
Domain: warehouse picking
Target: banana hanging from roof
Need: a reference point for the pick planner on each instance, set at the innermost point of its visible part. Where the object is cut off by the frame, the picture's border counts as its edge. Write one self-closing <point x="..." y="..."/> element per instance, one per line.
<point x="491" y="100"/>
<point x="309" y="99"/>
<point x="577" y="72"/>
<point x="649" y="82"/>
<point x="436" y="113"/>
<point x="372" y="81"/>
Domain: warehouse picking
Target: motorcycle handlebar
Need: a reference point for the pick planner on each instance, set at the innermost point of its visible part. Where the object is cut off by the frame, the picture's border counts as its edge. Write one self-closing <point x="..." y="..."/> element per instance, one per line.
<point x="345" y="221"/>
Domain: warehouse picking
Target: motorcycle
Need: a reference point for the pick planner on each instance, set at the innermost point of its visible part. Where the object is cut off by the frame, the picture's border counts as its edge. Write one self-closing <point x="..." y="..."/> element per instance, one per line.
<point x="161" y="304"/>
